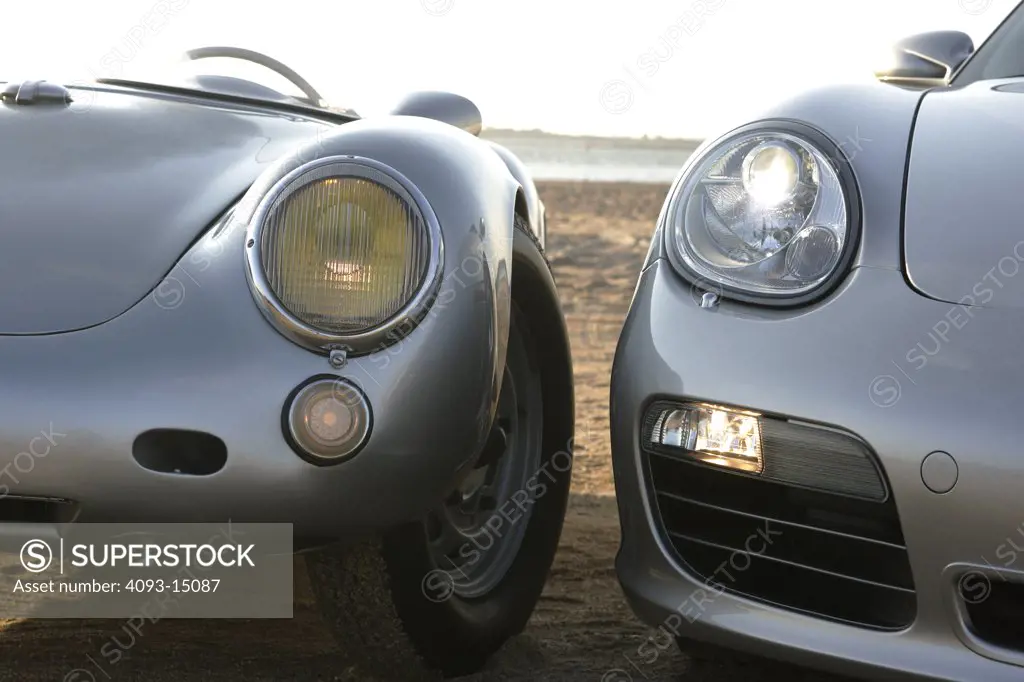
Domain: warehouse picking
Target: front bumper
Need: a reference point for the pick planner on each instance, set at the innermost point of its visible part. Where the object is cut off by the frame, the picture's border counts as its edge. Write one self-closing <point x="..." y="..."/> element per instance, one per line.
<point x="853" y="361"/>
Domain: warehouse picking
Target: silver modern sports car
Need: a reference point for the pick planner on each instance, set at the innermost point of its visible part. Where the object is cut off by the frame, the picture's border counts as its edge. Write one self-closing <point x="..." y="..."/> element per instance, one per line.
<point x="817" y="445"/>
<point x="223" y="301"/>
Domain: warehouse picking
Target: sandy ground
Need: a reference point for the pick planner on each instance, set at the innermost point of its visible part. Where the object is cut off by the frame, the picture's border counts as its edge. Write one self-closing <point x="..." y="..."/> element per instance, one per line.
<point x="582" y="629"/>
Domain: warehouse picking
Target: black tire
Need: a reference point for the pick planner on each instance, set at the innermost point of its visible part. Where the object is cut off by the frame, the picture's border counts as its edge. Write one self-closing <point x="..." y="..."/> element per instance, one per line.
<point x="398" y="615"/>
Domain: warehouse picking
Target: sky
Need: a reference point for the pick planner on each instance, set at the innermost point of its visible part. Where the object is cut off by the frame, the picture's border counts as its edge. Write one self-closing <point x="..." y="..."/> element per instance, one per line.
<point x="682" y="68"/>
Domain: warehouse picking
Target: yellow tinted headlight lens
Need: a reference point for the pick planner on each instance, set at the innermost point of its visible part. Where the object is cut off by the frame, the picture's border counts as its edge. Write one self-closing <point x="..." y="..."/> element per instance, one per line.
<point x="344" y="254"/>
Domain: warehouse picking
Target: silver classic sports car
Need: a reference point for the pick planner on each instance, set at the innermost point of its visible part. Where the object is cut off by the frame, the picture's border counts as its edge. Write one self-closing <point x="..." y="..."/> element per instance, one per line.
<point x="816" y="422"/>
<point x="223" y="301"/>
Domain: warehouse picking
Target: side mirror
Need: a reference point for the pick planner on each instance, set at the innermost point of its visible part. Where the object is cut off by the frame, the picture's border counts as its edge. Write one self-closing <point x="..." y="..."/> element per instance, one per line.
<point x="926" y="60"/>
<point x="446" y="107"/>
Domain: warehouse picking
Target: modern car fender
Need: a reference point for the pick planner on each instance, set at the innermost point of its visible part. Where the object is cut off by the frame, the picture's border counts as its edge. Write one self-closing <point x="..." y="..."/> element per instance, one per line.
<point x="871" y="124"/>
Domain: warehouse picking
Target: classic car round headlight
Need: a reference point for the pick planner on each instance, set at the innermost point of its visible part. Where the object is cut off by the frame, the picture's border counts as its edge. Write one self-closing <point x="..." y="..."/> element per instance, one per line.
<point x="765" y="214"/>
<point x="342" y="252"/>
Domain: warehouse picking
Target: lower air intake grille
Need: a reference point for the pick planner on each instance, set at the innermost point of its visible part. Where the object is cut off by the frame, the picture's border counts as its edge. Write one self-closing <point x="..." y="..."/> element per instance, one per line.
<point x="999" y="618"/>
<point x="819" y="552"/>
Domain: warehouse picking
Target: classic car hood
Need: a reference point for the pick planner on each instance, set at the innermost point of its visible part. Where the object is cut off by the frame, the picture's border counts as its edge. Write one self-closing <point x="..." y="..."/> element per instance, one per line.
<point x="99" y="199"/>
<point x="964" y="220"/>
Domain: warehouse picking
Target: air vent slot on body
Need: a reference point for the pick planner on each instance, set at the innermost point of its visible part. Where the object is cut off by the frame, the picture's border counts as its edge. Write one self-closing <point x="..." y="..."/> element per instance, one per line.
<point x="179" y="451"/>
<point x="30" y="509"/>
<point x="823" y="553"/>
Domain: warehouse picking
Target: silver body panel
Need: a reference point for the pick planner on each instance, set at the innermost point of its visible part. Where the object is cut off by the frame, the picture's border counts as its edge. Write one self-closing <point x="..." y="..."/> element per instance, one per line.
<point x="100" y="199"/>
<point x="193" y="351"/>
<point x="964" y="182"/>
<point x="821" y="363"/>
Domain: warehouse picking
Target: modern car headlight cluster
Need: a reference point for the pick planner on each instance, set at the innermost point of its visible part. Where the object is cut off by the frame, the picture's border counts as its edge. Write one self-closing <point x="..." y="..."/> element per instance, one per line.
<point x="343" y="253"/>
<point x="767" y="214"/>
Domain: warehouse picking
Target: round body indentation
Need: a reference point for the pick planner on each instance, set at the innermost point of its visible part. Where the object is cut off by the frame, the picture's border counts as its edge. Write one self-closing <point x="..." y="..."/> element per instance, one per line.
<point x="939" y="472"/>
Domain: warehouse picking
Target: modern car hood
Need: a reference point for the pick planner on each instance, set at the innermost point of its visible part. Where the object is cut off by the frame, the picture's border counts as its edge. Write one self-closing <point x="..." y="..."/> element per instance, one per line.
<point x="964" y="219"/>
<point x="100" y="199"/>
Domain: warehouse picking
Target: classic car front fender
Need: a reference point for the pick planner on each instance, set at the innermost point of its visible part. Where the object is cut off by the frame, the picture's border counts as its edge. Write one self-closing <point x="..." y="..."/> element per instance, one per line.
<point x="528" y="202"/>
<point x="473" y="196"/>
<point x="198" y="355"/>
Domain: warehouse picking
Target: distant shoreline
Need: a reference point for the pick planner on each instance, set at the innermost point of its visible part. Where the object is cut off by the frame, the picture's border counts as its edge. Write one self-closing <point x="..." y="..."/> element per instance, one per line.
<point x="503" y="135"/>
<point x="585" y="157"/>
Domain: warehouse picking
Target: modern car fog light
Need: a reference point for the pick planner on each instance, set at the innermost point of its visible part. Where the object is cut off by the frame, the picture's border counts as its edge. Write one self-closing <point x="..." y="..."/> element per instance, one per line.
<point x="328" y="420"/>
<point x="710" y="434"/>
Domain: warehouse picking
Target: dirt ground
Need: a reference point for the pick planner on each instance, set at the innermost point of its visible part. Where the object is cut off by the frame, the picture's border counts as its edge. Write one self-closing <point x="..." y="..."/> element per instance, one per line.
<point x="598" y="235"/>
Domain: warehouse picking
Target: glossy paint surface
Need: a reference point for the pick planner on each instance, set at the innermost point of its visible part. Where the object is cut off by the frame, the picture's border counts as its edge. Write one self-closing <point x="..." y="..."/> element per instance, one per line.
<point x="909" y="374"/>
<point x="965" y="208"/>
<point x="173" y="338"/>
<point x="99" y="199"/>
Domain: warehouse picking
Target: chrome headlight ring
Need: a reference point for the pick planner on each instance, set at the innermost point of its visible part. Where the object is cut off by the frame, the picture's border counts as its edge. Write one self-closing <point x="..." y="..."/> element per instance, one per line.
<point x="823" y="156"/>
<point x="391" y="330"/>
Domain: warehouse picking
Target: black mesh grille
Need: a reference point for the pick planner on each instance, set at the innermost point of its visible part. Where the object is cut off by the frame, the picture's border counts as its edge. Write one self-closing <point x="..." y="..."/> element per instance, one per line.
<point x="999" y="617"/>
<point x="819" y="458"/>
<point x="820" y="552"/>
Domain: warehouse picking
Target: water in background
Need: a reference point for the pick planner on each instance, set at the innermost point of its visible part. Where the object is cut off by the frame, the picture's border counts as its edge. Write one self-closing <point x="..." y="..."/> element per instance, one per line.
<point x="557" y="157"/>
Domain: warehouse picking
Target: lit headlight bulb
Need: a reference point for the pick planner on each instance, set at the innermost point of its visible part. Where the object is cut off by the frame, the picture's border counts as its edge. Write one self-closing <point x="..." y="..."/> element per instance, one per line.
<point x="771" y="172"/>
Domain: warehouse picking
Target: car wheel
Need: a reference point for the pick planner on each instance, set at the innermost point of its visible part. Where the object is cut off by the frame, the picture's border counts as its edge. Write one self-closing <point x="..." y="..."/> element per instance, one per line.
<point x="439" y="597"/>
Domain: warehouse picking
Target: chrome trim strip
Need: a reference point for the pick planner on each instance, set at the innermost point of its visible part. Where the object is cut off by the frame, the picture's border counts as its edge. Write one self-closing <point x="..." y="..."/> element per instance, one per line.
<point x="361" y="343"/>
